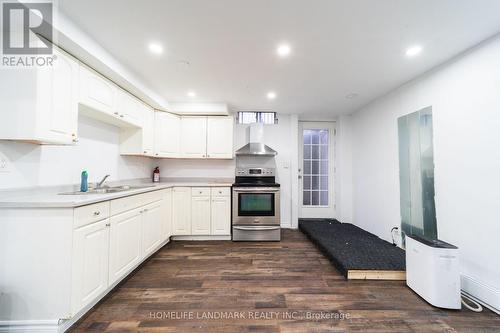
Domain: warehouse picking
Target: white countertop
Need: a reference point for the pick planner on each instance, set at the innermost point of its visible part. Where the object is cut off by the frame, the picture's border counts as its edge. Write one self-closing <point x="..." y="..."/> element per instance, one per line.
<point x="50" y="197"/>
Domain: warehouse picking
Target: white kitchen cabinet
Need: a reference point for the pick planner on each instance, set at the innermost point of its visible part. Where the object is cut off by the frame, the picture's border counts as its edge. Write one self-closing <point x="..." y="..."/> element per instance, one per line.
<point x="125" y="243"/>
<point x="167" y="214"/>
<point x="193" y="137"/>
<point x="181" y="211"/>
<point x="148" y="130"/>
<point x="200" y="215"/>
<point x="167" y="135"/>
<point x="40" y="104"/>
<point x="103" y="100"/>
<point x="220" y="137"/>
<point x="130" y="109"/>
<point x="220" y="215"/>
<point x="152" y="227"/>
<point x="97" y="92"/>
<point x="90" y="263"/>
<point x="139" y="141"/>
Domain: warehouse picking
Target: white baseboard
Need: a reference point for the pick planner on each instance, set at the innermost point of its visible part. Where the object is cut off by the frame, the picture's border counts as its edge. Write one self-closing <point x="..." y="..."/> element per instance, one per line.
<point x="487" y="295"/>
<point x="29" y="326"/>
<point x="201" y="238"/>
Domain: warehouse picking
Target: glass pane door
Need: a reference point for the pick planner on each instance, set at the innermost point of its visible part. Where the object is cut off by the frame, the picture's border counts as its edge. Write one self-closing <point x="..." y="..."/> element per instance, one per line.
<point x="315" y="190"/>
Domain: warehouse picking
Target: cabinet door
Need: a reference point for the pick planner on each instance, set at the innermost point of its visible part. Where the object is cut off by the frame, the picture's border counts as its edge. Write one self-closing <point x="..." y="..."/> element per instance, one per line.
<point x="152" y="227"/>
<point x="129" y="109"/>
<point x="220" y="137"/>
<point x="200" y="215"/>
<point x="167" y="134"/>
<point x="148" y="130"/>
<point x="90" y="263"/>
<point x="181" y="211"/>
<point x="167" y="214"/>
<point x="57" y="109"/>
<point x="221" y="215"/>
<point x="194" y="137"/>
<point x="96" y="92"/>
<point x="125" y="243"/>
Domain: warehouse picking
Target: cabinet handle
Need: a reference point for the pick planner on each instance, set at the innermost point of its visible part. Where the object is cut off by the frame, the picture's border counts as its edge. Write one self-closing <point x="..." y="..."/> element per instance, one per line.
<point x="121" y="116"/>
<point x="73" y="134"/>
<point x="108" y="224"/>
<point x="97" y="213"/>
<point x="75" y="140"/>
<point x="208" y="155"/>
<point x="116" y="113"/>
<point x="145" y="152"/>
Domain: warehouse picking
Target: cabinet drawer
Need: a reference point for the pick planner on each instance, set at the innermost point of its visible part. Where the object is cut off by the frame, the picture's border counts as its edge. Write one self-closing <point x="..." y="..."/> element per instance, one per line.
<point x="200" y="191"/>
<point x="91" y="213"/>
<point x="127" y="203"/>
<point x="152" y="196"/>
<point x="221" y="191"/>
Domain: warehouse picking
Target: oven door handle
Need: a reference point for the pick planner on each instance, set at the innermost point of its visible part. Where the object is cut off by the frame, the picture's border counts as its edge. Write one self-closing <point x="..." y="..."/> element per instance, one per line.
<point x="256" y="228"/>
<point x="256" y="190"/>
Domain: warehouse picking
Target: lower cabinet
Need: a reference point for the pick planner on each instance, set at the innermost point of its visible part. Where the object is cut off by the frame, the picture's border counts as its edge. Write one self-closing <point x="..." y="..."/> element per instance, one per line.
<point x="125" y="243"/>
<point x="181" y="210"/>
<point x="90" y="263"/>
<point x="200" y="215"/>
<point x="221" y="215"/>
<point x="201" y="211"/>
<point x="152" y="225"/>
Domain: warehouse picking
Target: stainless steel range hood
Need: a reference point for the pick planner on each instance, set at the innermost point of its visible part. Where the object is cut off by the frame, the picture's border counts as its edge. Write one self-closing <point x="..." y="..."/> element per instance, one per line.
<point x="256" y="149"/>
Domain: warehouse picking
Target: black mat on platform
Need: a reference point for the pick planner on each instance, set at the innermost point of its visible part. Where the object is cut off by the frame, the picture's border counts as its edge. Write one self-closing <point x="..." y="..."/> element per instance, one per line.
<point x="351" y="248"/>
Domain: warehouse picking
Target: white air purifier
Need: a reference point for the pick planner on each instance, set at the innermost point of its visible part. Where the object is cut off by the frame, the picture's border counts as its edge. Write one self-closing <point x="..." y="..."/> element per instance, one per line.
<point x="432" y="271"/>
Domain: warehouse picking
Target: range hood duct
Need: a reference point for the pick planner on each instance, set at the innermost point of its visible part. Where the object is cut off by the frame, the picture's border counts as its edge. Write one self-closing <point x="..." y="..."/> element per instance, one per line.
<point x="255" y="147"/>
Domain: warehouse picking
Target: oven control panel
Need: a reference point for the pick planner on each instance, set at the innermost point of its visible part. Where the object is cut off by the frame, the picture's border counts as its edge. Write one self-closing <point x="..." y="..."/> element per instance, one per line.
<point x="255" y="172"/>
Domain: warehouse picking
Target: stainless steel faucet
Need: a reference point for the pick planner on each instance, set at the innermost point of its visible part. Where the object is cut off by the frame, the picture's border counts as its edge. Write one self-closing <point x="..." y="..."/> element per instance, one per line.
<point x="99" y="184"/>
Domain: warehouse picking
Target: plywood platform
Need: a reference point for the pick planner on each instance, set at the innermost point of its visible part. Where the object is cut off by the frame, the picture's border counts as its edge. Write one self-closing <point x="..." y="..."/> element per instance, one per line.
<point x="356" y="253"/>
<point x="376" y="275"/>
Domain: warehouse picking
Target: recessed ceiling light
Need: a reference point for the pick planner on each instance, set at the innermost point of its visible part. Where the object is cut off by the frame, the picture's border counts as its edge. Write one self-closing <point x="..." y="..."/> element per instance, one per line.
<point x="191" y="94"/>
<point x="271" y="95"/>
<point x="155" y="48"/>
<point x="283" y="50"/>
<point x="414" y="51"/>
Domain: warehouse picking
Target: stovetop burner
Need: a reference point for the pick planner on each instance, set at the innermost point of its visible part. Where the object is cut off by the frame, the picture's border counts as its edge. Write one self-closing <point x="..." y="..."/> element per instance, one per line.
<point x="244" y="181"/>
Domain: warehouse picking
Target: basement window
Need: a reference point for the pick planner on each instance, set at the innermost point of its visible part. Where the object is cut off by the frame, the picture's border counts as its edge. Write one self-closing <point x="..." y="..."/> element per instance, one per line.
<point x="249" y="117"/>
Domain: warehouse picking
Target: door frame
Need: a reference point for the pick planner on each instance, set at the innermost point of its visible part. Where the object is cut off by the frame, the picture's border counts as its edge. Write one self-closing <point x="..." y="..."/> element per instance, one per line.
<point x="321" y="211"/>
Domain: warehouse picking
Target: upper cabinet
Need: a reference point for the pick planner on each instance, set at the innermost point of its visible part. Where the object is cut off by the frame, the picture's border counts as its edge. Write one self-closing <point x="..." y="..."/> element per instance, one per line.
<point x="206" y="137"/>
<point x="220" y="137"/>
<point x="103" y="100"/>
<point x="194" y="137"/>
<point x="167" y="135"/>
<point x="130" y="109"/>
<point x="139" y="141"/>
<point x="39" y="104"/>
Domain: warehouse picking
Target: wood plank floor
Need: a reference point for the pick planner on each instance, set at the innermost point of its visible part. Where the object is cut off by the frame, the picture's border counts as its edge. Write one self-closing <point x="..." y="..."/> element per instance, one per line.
<point x="265" y="287"/>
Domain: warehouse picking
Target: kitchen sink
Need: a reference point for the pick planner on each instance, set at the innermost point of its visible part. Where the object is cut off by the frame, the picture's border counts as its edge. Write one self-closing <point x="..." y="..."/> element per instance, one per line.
<point x="108" y="189"/>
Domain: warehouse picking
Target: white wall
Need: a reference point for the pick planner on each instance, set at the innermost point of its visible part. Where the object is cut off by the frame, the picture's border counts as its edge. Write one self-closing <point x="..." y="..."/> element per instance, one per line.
<point x="97" y="152"/>
<point x="465" y="96"/>
<point x="343" y="169"/>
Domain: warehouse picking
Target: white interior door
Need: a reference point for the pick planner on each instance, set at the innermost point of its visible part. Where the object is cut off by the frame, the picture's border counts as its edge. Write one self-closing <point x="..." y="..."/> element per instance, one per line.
<point x="316" y="170"/>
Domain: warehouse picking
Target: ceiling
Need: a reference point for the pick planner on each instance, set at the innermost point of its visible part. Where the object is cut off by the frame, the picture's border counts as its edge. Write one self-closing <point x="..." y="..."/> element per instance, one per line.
<point x="339" y="47"/>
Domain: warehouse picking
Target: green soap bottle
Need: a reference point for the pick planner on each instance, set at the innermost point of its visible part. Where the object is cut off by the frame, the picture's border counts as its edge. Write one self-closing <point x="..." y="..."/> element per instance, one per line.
<point x="84" y="184"/>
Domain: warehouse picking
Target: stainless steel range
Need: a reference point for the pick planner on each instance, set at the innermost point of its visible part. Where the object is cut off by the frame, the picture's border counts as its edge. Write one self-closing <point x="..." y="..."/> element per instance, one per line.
<point x="256" y="205"/>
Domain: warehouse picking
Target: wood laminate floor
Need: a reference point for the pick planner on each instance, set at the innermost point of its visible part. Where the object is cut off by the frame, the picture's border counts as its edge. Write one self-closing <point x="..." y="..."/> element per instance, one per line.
<point x="265" y="287"/>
